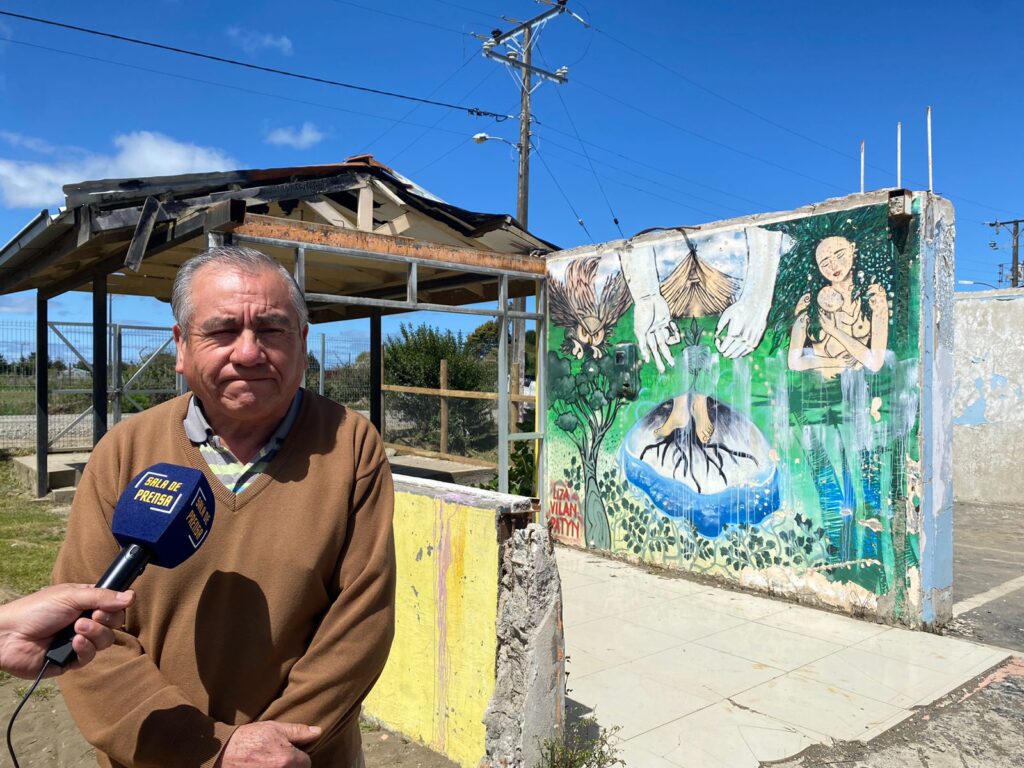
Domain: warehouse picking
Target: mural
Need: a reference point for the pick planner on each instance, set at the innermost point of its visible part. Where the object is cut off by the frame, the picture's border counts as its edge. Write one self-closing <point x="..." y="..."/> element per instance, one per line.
<point x="743" y="402"/>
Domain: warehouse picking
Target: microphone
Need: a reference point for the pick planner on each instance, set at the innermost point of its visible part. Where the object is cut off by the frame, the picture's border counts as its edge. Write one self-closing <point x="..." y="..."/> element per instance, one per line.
<point x="163" y="517"/>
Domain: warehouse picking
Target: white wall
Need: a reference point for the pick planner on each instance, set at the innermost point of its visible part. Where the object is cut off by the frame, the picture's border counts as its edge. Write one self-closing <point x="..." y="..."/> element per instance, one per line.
<point x="988" y="400"/>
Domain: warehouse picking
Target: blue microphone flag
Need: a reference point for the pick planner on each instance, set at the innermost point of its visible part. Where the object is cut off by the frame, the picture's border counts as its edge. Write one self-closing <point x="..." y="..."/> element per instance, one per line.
<point x="168" y="510"/>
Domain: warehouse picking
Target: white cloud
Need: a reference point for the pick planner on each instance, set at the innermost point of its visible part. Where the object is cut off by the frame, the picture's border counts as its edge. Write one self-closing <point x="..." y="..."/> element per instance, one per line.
<point x="251" y="41"/>
<point x="141" y="153"/>
<point x="299" y="138"/>
<point x="31" y="143"/>
<point x="17" y="304"/>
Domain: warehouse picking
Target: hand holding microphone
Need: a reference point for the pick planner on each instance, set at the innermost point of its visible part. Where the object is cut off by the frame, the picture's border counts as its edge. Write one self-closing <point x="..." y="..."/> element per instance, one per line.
<point x="27" y="626"/>
<point x="163" y="517"/>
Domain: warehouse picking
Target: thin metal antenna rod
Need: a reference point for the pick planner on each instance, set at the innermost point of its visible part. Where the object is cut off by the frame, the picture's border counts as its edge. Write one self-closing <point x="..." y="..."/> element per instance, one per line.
<point x="862" y="167"/>
<point x="899" y="155"/>
<point x="930" y="186"/>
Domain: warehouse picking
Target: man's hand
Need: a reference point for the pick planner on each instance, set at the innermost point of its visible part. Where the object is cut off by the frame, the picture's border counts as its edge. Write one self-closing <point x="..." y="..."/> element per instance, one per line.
<point x="27" y="626"/>
<point x="269" y="745"/>
<point x="654" y="330"/>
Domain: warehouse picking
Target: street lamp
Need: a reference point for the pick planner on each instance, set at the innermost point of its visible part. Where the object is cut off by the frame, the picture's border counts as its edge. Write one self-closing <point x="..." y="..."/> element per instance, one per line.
<point x="480" y="138"/>
<point x="977" y="282"/>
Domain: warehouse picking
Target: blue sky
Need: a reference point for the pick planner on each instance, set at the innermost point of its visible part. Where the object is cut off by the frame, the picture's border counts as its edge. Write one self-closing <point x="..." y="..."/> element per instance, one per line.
<point x="691" y="112"/>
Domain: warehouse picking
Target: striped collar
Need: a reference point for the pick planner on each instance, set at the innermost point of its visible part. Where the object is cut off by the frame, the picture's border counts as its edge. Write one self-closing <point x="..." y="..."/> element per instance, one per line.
<point x="199" y="431"/>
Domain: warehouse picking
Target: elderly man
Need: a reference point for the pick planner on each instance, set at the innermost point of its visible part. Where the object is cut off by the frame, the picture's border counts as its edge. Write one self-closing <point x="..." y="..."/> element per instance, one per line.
<point x="259" y="649"/>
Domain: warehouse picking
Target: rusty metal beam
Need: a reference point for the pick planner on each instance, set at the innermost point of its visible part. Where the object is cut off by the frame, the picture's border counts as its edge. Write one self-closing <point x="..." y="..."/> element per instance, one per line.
<point x="286" y="233"/>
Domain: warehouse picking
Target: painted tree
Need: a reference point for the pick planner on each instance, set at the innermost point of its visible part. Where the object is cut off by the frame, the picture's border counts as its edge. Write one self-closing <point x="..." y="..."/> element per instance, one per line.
<point x="585" y="398"/>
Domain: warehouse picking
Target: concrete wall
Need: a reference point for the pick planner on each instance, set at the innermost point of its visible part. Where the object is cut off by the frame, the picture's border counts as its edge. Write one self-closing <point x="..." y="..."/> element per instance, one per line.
<point x="461" y="567"/>
<point x="988" y="402"/>
<point x="765" y="401"/>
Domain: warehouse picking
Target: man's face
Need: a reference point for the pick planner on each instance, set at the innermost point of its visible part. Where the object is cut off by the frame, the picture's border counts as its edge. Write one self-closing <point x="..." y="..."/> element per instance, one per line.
<point x="244" y="354"/>
<point x="834" y="256"/>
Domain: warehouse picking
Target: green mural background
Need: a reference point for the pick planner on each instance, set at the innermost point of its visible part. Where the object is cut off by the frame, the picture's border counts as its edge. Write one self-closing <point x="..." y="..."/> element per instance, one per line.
<point x="844" y="449"/>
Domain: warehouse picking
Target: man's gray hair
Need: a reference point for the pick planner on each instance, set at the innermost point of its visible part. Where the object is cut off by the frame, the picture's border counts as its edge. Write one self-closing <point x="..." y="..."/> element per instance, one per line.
<point x="242" y="259"/>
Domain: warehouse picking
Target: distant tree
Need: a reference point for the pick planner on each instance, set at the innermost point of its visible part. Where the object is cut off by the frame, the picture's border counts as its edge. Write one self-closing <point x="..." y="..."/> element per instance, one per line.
<point x="158" y="374"/>
<point x="483" y="342"/>
<point x="413" y="358"/>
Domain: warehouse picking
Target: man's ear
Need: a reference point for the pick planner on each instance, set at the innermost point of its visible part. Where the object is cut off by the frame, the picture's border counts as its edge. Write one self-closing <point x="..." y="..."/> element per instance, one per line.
<point x="179" y="343"/>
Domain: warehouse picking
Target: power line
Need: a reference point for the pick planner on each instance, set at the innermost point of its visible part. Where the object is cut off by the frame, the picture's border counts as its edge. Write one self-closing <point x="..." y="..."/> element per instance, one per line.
<point x="403" y="18"/>
<point x="708" y="139"/>
<point x="471" y="10"/>
<point x="216" y="84"/>
<point x="579" y="219"/>
<point x="655" y="182"/>
<point x="443" y="116"/>
<point x="438" y="159"/>
<point x="409" y="114"/>
<point x="474" y="111"/>
<point x="768" y="120"/>
<point x="583" y="146"/>
<point x="724" y="98"/>
<point x="660" y="169"/>
<point x="656" y="195"/>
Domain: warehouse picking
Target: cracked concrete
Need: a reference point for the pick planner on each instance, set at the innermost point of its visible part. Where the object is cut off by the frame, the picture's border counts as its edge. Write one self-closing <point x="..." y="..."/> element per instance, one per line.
<point x="529" y="696"/>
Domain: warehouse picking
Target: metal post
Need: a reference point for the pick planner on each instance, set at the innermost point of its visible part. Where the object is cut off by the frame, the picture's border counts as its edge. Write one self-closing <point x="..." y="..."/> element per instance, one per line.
<point x="899" y="155"/>
<point x="929" y="149"/>
<point x="862" y="167"/>
<point x="118" y="374"/>
<point x="99" y="358"/>
<point x="1014" y="226"/>
<point x="541" y="416"/>
<point x="42" y="398"/>
<point x="376" y="374"/>
<point x="503" y="384"/>
<point x="1015" y="277"/>
<point x="300" y="269"/>
<point x="323" y="365"/>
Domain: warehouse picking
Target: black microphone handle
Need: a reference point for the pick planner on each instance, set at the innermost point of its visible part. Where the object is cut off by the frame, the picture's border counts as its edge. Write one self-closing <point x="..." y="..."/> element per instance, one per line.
<point x="127" y="567"/>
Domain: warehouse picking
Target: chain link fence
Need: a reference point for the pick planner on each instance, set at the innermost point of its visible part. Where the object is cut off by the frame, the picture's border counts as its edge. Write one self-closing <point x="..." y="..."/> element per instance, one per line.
<point x="141" y="374"/>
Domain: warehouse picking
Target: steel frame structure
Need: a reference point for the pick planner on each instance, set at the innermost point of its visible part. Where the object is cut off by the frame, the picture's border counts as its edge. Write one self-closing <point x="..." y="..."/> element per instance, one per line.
<point x="502" y="314"/>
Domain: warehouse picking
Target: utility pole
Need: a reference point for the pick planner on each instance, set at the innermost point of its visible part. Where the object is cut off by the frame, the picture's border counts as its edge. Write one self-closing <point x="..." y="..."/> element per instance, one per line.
<point x="523" y="180"/>
<point x="1014" y="227"/>
<point x="518" y="45"/>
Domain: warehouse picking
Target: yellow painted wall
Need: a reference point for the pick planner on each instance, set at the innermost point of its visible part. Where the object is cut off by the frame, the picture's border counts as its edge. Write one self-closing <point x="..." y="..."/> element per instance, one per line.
<point x="440" y="676"/>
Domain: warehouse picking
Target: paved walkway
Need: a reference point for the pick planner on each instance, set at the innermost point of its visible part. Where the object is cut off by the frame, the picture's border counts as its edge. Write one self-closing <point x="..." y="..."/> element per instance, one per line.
<point x="701" y="677"/>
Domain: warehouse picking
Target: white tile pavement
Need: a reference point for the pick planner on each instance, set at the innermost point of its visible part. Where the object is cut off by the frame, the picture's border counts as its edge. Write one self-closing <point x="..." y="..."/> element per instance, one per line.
<point x="700" y="677"/>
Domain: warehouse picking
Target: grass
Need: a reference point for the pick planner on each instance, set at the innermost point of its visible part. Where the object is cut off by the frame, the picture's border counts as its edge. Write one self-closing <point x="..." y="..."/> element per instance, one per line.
<point x="43" y="693"/>
<point x="583" y="744"/>
<point x="31" y="532"/>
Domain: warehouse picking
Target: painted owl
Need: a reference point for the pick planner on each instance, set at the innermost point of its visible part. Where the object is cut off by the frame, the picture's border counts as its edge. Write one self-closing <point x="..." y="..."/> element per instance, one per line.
<point x="587" y="316"/>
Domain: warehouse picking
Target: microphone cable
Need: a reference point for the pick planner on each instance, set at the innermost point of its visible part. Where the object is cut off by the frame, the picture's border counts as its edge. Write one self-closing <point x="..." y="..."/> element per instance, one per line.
<point x="25" y="698"/>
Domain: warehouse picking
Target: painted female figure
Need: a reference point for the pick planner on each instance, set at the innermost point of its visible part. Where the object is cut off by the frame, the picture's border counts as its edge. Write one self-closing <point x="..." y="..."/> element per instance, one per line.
<point x="849" y="337"/>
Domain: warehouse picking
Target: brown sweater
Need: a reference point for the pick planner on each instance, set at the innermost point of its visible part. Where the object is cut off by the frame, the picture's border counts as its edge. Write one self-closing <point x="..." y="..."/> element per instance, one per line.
<point x="285" y="613"/>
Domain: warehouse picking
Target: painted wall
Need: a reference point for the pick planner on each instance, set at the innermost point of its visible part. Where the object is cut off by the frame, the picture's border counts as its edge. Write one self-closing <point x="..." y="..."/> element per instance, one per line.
<point x="750" y="400"/>
<point x="988" y="401"/>
<point x="439" y="681"/>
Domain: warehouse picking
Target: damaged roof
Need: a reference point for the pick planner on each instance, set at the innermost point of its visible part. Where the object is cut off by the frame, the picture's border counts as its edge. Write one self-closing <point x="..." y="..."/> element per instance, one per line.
<point x="157" y="223"/>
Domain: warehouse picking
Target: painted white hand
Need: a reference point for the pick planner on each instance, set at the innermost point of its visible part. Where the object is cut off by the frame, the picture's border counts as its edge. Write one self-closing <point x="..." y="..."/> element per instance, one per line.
<point x="654" y="330"/>
<point x="745" y="326"/>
